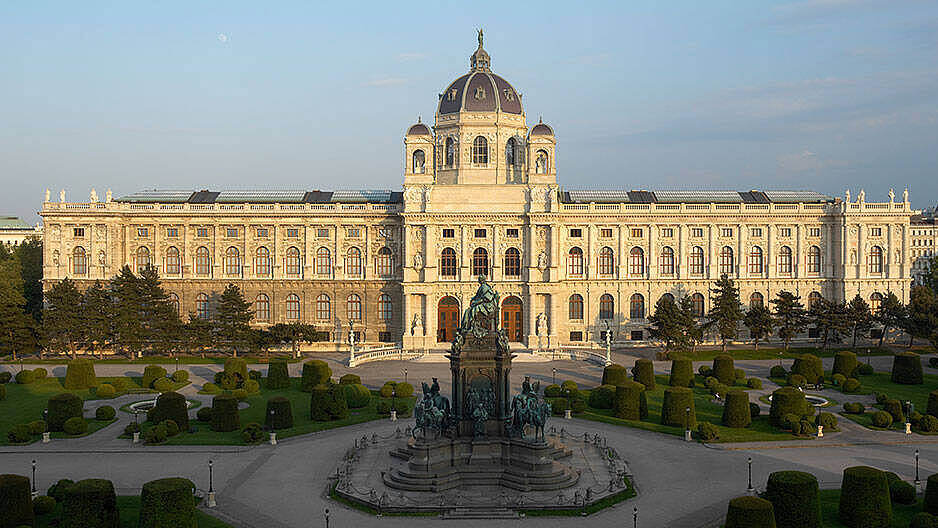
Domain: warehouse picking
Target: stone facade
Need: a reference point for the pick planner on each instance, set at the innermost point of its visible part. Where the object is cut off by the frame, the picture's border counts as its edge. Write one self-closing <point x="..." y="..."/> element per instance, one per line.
<point x="924" y="231"/>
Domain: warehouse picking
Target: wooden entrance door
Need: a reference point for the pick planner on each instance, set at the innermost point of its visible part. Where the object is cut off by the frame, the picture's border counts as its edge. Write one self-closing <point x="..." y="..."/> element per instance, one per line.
<point x="511" y="318"/>
<point x="447" y="319"/>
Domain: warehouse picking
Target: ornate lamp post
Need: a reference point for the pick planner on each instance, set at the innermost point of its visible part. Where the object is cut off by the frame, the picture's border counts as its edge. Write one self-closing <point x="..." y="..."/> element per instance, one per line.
<point x="918" y="481"/>
<point x="405" y="375"/>
<point x="211" y="488"/>
<point x="749" y="488"/>
<point x="34" y="477"/>
<point x="553" y="375"/>
<point x="687" y="424"/>
<point x="634" y="517"/>
<point x="325" y="515"/>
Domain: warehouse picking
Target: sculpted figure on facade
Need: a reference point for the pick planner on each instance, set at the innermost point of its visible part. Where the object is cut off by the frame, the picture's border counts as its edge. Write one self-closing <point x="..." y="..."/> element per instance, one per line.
<point x="541" y="324"/>
<point x="418" y="261"/>
<point x="417" y="326"/>
<point x="542" y="261"/>
<point x="62" y="196"/>
<point x="94" y="196"/>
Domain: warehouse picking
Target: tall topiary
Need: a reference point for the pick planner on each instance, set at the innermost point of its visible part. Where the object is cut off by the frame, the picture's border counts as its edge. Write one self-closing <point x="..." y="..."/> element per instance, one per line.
<point x="845" y="362"/>
<point x="644" y="372"/>
<point x="319" y="401"/>
<point x="171" y="406"/>
<point x="237" y="366"/>
<point x="279" y="413"/>
<point x="602" y="397"/>
<point x="674" y="408"/>
<point x="278" y="375"/>
<point x="907" y="369"/>
<point x="80" y="375"/>
<point x="615" y="374"/>
<point x="356" y="395"/>
<point x="315" y="372"/>
<point x="225" y="413"/>
<point x="350" y="379"/>
<point x="724" y="370"/>
<point x="682" y="373"/>
<point x="932" y="407"/>
<point x="930" y="503"/>
<point x="894" y="408"/>
<point x="62" y="407"/>
<point x="90" y="503"/>
<point x="736" y="409"/>
<point x="167" y="502"/>
<point x="864" y="498"/>
<point x="809" y="366"/>
<point x="627" y="403"/>
<point x="16" y="503"/>
<point x="750" y="512"/>
<point x="786" y="400"/>
<point x="152" y="373"/>
<point x="794" y="494"/>
<point x="338" y="405"/>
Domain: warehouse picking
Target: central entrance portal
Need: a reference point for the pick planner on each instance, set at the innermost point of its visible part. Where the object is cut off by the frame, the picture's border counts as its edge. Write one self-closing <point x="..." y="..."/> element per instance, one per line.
<point x="447" y="319"/>
<point x="511" y="318"/>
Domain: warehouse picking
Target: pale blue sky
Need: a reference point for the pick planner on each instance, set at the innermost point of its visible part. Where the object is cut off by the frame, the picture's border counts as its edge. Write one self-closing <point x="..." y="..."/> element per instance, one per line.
<point x="816" y="94"/>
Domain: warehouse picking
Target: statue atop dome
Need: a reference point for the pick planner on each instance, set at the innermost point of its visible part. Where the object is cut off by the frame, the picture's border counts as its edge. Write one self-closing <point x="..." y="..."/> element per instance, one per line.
<point x="480" y="38"/>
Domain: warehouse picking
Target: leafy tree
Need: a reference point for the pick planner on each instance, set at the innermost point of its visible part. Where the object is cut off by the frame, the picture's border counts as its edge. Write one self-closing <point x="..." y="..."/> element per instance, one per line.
<point x="832" y="319"/>
<point x="921" y="320"/>
<point x="16" y="327"/>
<point x="760" y="323"/>
<point x="668" y="325"/>
<point x="232" y="319"/>
<point x="197" y="333"/>
<point x="62" y="323"/>
<point x="263" y="339"/>
<point x="161" y="326"/>
<point x="29" y="255"/>
<point x="128" y="324"/>
<point x="291" y="333"/>
<point x="890" y="315"/>
<point x="930" y="277"/>
<point x="725" y="310"/>
<point x="790" y="316"/>
<point x="693" y="332"/>
<point x="98" y="307"/>
<point x="861" y="320"/>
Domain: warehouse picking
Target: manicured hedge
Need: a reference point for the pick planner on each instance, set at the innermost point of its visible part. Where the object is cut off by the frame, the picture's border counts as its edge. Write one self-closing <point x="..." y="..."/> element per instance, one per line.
<point x="104" y="413"/>
<point x="152" y="373"/>
<point x="809" y="366"/>
<point x="43" y="504"/>
<point x="894" y="408"/>
<point x="105" y="391"/>
<point x="736" y="409"/>
<point x="826" y="420"/>
<point x="404" y="390"/>
<point x="80" y="375"/>
<point x="851" y="385"/>
<point x="5" y="377"/>
<point x="172" y="406"/>
<point x="673" y="407"/>
<point x="350" y="379"/>
<point x="25" y="377"/>
<point x="932" y="407"/>
<point x="75" y="426"/>
<point x="786" y="400"/>
<point x="923" y="520"/>
<point x="864" y="498"/>
<point x="682" y="373"/>
<point x="278" y="375"/>
<point x="627" y="403"/>
<point x="356" y="395"/>
<point x="167" y="502"/>
<point x="568" y="389"/>
<point x="603" y="397"/>
<point x="181" y="376"/>
<point x="238" y="366"/>
<point x="90" y="503"/>
<point x="644" y="372"/>
<point x="750" y="512"/>
<point x="882" y="419"/>
<point x="845" y="362"/>
<point x="16" y="504"/>
<point x="279" y="413"/>
<point x="62" y="407"/>
<point x="794" y="494"/>
<point x="902" y="492"/>
<point x="327" y="402"/>
<point x="907" y="369"/>
<point x="724" y="369"/>
<point x="57" y="491"/>
<point x="777" y="371"/>
<point x="315" y="372"/>
<point x="615" y="375"/>
<point x="3" y="392"/>
<point x="225" y="415"/>
<point x="930" y="503"/>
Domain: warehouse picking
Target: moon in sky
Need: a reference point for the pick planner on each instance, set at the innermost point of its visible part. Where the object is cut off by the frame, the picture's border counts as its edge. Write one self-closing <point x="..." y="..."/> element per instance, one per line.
<point x="222" y="38"/>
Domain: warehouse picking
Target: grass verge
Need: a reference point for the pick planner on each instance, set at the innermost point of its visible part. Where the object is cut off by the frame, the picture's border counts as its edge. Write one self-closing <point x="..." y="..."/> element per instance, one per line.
<point x="128" y="508"/>
<point x="830" y="502"/>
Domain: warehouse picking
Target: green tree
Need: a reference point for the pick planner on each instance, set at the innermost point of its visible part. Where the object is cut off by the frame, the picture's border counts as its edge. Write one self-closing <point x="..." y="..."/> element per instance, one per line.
<point x="62" y="323"/>
<point x="790" y="316"/>
<point x="128" y="326"/>
<point x="693" y="331"/>
<point x="930" y="276"/>
<point x="29" y="255"/>
<point x="921" y="319"/>
<point x="98" y="307"/>
<point x="760" y="323"/>
<point x="860" y="317"/>
<point x="725" y="310"/>
<point x="832" y="319"/>
<point x="890" y="315"/>
<point x="262" y="339"/>
<point x="197" y="334"/>
<point x="17" y="329"/>
<point x="232" y="319"/>
<point x="667" y="324"/>
<point x="292" y="334"/>
<point x="160" y="323"/>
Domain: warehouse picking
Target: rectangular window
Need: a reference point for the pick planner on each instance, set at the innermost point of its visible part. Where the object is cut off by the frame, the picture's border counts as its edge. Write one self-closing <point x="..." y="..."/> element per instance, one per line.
<point x="638" y="335"/>
<point x="142" y="232"/>
<point x="78" y="232"/>
<point x="876" y="231"/>
<point x="576" y="336"/>
<point x="605" y="233"/>
<point x="667" y="232"/>
<point x="814" y="333"/>
<point x="480" y="233"/>
<point x="576" y="233"/>
<point x="354" y="232"/>
<point x="696" y="232"/>
<point x="201" y="232"/>
<point x="261" y="232"/>
<point x="172" y="232"/>
<point x="449" y="233"/>
<point x="726" y="232"/>
<point x="511" y="233"/>
<point x="293" y="232"/>
<point x="755" y="232"/>
<point x="384" y="337"/>
<point x="322" y="233"/>
<point x="231" y="232"/>
<point x="785" y="232"/>
<point x="814" y="232"/>
<point x="636" y="233"/>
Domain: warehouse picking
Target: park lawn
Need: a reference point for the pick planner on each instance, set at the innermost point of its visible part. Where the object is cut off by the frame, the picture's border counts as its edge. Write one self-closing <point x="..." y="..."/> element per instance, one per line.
<point x="881" y="382"/>
<point x="830" y="502"/>
<point x="155" y="360"/>
<point x="128" y="508"/>
<point x="781" y="353"/>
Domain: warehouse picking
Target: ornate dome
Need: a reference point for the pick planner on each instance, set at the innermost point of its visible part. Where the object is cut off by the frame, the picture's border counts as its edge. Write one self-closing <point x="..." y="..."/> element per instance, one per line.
<point x="540" y="129"/>
<point x="480" y="90"/>
<point x="419" y="129"/>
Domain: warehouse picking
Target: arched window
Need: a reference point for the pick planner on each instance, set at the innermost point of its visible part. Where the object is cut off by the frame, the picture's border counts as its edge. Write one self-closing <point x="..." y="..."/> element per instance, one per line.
<point x="696" y="261"/>
<point x="201" y="306"/>
<point x="541" y="162"/>
<point x="480" y="151"/>
<point x="323" y="307"/>
<point x="480" y="262"/>
<point x="79" y="261"/>
<point x="755" y="260"/>
<point x="637" y="306"/>
<point x="756" y="300"/>
<point x="293" y="307"/>
<point x="450" y="152"/>
<point x="697" y="302"/>
<point x="814" y="259"/>
<point x="510" y="148"/>
<point x="383" y="262"/>
<point x="636" y="262"/>
<point x="174" y="303"/>
<point x="666" y="296"/>
<point x="142" y="258"/>
<point x="292" y="263"/>
<point x="353" y="262"/>
<point x="262" y="307"/>
<point x="232" y="261"/>
<point x="512" y="263"/>
<point x="607" y="261"/>
<point x="575" y="262"/>
<point x="323" y="262"/>
<point x="384" y="307"/>
<point x="666" y="261"/>
<point x="607" y="307"/>
<point x="420" y="160"/>
<point x="448" y="262"/>
<point x="203" y="261"/>
<point x="876" y="259"/>
<point x="262" y="262"/>
<point x="813" y="299"/>
<point x="726" y="261"/>
<point x="784" y="260"/>
<point x="876" y="302"/>
<point x="172" y="261"/>
<point x="576" y="307"/>
<point x="353" y="307"/>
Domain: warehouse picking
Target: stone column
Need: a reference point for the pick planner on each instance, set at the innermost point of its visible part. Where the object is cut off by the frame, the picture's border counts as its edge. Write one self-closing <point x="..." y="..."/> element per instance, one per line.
<point x="652" y="271"/>
<point x="861" y="253"/>
<point x="799" y="232"/>
<point x="708" y="266"/>
<point x="741" y="269"/>
<point x="769" y="255"/>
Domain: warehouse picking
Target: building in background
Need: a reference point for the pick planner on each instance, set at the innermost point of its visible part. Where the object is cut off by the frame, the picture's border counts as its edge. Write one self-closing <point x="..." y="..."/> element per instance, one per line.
<point x="15" y="231"/>
<point x="924" y="242"/>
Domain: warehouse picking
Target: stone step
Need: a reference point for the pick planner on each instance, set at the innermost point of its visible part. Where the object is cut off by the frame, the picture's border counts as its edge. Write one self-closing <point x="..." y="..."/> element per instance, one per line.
<point x="480" y="513"/>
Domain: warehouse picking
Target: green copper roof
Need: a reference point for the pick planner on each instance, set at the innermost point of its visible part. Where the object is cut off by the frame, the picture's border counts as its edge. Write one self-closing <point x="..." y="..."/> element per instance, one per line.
<point x="12" y="222"/>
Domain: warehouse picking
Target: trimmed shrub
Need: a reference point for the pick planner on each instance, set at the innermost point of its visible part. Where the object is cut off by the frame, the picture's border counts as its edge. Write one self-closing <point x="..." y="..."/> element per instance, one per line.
<point x="279" y="413"/>
<point x="754" y="410"/>
<point x="40" y="373"/>
<point x="319" y="403"/>
<point x="210" y="388"/>
<point x="710" y="381"/>
<point x="826" y="420"/>
<point x="578" y="405"/>
<point x="204" y="414"/>
<point x="404" y="390"/>
<point x="682" y="373"/>
<point x="627" y="402"/>
<point x="15" y="501"/>
<point x="251" y="386"/>
<point x="163" y="385"/>
<point x="614" y="374"/>
<point x="644" y="372"/>
<point x="5" y="377"/>
<point x="930" y="502"/>
<point x="719" y="389"/>
<point x="131" y="428"/>
<point x="724" y="369"/>
<point x="90" y="503"/>
<point x="754" y="383"/>
<point x="171" y="406"/>
<point x="3" y="392"/>
<point x="252" y="433"/>
<point x="923" y="520"/>
<point x="809" y="366"/>
<point x="894" y="407"/>
<point x="786" y="400"/>
<point x="240" y="394"/>
<point x="791" y="421"/>
<point x="356" y="395"/>
<point x="62" y="407"/>
<point x="57" y="491"/>
<point x="838" y="379"/>
<point x="43" y="504"/>
<point x="338" y="406"/>
<point x="602" y="397"/>
<point x="151" y="373"/>
<point x="794" y="494"/>
<point x="80" y="375"/>
<point x="864" y="498"/>
<point x="707" y="432"/>
<point x="558" y="406"/>
<point x="569" y="389"/>
<point x="902" y="492"/>
<point x="404" y="408"/>
<point x="167" y="502"/>
<point x="225" y="415"/>
<point x="383" y="406"/>
<point x="181" y="376"/>
<point x="907" y="369"/>
<point x="916" y="418"/>
<point x="551" y="391"/>
<point x="740" y="374"/>
<point x="736" y="409"/>
<point x="705" y="371"/>
<point x="25" y="377"/>
<point x="255" y="375"/>
<point x="350" y="379"/>
<point x="750" y="512"/>
<point x="75" y="426"/>
<point x="19" y="434"/>
<point x="387" y="390"/>
<point x="172" y="428"/>
<point x="932" y="362"/>
<point x="845" y="362"/>
<point x="120" y="384"/>
<point x="238" y="367"/>
<point x="105" y="391"/>
<point x="315" y="372"/>
<point x="777" y="371"/>
<point x="797" y="380"/>
<point x="105" y="413"/>
<point x="882" y="419"/>
<point x="864" y="369"/>
<point x="928" y="424"/>
<point x="932" y="406"/>
<point x="881" y="397"/>
<point x="37" y="427"/>
<point x="278" y="375"/>
<point x="156" y="434"/>
<point x="673" y="407"/>
<point x="851" y="385"/>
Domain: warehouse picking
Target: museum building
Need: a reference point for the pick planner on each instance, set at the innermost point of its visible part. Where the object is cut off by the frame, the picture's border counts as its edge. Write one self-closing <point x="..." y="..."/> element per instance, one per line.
<point x="480" y="197"/>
